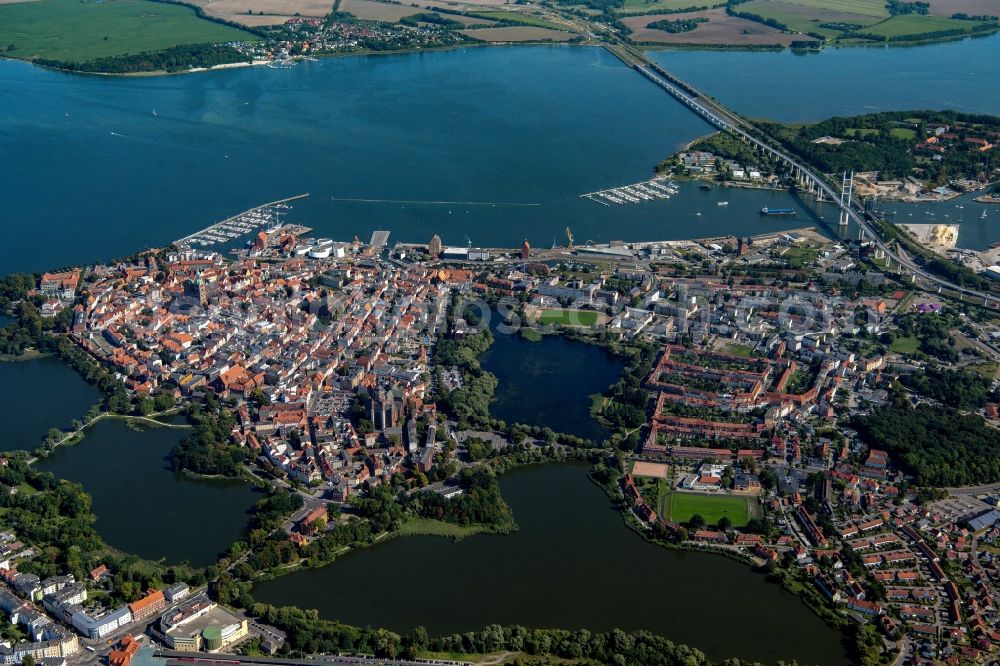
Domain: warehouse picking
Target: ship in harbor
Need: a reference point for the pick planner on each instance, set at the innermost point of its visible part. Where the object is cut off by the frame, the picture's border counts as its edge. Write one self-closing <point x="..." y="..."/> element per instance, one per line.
<point x="783" y="212"/>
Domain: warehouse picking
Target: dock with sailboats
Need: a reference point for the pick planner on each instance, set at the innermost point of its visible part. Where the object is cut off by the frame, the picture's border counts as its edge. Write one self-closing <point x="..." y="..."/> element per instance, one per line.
<point x="649" y="190"/>
<point x="264" y="216"/>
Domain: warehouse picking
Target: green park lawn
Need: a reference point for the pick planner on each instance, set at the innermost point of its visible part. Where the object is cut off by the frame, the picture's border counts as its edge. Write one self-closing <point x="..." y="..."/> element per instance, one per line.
<point x="897" y="132"/>
<point x="568" y="317"/>
<point x="75" y="31"/>
<point x="906" y="345"/>
<point x="681" y="506"/>
<point x="431" y="527"/>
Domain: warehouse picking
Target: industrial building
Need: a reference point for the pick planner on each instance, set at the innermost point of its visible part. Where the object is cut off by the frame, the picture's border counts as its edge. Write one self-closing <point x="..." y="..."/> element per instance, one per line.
<point x="201" y="624"/>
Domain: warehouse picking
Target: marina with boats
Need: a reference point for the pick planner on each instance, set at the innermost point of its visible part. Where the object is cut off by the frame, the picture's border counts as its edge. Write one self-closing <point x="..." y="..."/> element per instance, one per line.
<point x="266" y="216"/>
<point x="654" y="188"/>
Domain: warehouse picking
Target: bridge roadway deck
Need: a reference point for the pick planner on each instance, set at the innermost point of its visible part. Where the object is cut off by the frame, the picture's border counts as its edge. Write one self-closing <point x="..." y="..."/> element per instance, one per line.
<point x="724" y="119"/>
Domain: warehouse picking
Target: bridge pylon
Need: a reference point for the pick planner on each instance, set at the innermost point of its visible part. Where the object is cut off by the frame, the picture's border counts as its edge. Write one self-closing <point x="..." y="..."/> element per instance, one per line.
<point x="846" y="197"/>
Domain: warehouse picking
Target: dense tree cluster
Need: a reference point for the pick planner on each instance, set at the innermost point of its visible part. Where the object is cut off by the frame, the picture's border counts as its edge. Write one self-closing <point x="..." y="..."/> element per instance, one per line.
<point x="14" y="287"/>
<point x="957" y="273"/>
<point x="936" y="445"/>
<point x="469" y="403"/>
<point x="933" y="334"/>
<point x="677" y="25"/>
<point x="28" y="328"/>
<point x="628" y="401"/>
<point x="479" y="504"/>
<point x="872" y="145"/>
<point x="900" y="8"/>
<point x="308" y="634"/>
<point x="208" y="449"/>
<point x="271" y="510"/>
<point x="727" y="146"/>
<point x="55" y="517"/>
<point x="955" y="388"/>
<point x="174" y="59"/>
<point x="432" y="18"/>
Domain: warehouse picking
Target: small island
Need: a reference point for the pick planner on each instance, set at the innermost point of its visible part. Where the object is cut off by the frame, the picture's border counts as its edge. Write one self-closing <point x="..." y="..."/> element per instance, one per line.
<point x="909" y="156"/>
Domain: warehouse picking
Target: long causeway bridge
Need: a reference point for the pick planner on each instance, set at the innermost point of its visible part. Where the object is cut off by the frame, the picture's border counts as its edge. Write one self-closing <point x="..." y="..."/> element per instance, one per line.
<point x="806" y="178"/>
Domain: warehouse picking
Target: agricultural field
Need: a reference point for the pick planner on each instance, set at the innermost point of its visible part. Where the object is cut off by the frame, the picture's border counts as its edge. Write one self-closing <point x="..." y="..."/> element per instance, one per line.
<point x="865" y="7"/>
<point x="808" y="18"/>
<point x="264" y="12"/>
<point x="568" y="317"/>
<point x="680" y="507"/>
<point x="74" y="31"/>
<point x="912" y="24"/>
<point x="838" y="19"/>
<point x="720" y="30"/>
<point x="518" y="33"/>
<point x="467" y="20"/>
<point x="653" y="6"/>
<point x="368" y="10"/>
<point x="520" y="17"/>
<point x="463" y="5"/>
<point x="970" y="7"/>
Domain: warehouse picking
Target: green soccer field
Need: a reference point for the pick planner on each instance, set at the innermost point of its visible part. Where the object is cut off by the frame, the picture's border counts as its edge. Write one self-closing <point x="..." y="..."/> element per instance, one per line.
<point x="681" y="506"/>
<point x="568" y="317"/>
<point x="75" y="31"/>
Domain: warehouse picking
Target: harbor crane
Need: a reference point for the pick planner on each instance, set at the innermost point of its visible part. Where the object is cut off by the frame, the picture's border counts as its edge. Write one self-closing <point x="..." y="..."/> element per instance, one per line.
<point x="569" y="237"/>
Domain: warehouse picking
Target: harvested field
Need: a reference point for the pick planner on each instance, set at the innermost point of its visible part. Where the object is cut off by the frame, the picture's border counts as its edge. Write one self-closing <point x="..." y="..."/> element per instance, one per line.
<point x="874" y="8"/>
<point x="518" y="33"/>
<point x="720" y="30"/>
<point x="646" y="6"/>
<point x="377" y="11"/>
<point x="970" y="7"/>
<point x="465" y="4"/>
<point x="520" y="17"/>
<point x="468" y="20"/>
<point x="656" y="470"/>
<point x="264" y="12"/>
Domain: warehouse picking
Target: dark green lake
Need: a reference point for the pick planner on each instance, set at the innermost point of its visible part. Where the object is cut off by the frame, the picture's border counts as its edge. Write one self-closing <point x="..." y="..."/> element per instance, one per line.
<point x="40" y="394"/>
<point x="141" y="506"/>
<point x="549" y="383"/>
<point x="572" y="564"/>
